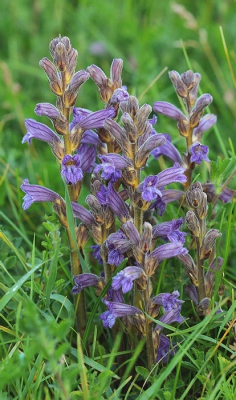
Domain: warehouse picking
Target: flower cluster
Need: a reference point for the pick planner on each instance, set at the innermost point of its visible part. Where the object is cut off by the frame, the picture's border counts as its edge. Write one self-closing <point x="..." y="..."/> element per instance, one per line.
<point x="114" y="145"/>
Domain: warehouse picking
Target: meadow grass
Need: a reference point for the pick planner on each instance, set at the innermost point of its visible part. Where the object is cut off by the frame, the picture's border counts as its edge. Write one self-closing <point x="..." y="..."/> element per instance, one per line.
<point x="42" y="357"/>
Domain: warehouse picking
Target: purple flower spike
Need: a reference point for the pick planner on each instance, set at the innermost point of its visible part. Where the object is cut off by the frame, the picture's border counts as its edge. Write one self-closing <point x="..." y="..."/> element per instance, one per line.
<point x="116" y="310"/>
<point x="70" y="169"/>
<point x="150" y="191"/>
<point x="36" y="193"/>
<point x="124" y="279"/>
<point x="36" y="130"/>
<point x="168" y="301"/>
<point x="84" y="280"/>
<point x="170" y="231"/>
<point x="198" y="153"/>
<point x="168" y="109"/>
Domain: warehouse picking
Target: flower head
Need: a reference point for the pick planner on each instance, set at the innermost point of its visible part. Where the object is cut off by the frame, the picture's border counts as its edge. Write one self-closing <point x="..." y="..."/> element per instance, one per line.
<point x="168" y="301"/>
<point x="74" y="166"/>
<point x="116" y="310"/>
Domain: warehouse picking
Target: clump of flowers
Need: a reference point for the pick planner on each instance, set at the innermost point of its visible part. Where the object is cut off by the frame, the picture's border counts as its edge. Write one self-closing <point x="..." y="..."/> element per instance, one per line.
<point x="126" y="203"/>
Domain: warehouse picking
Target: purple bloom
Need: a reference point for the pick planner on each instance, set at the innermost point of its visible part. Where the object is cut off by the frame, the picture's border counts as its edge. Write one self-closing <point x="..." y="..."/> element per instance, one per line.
<point x="116" y="310"/>
<point x="166" y="251"/>
<point x="102" y="195"/>
<point x="205" y="123"/>
<point x="36" y="130"/>
<point x="168" y="149"/>
<point x="171" y="175"/>
<point x="170" y="317"/>
<point x="117" y="245"/>
<point x="192" y="292"/>
<point x="84" y="215"/>
<point x="168" y="301"/>
<point x="36" y="193"/>
<point x="119" y="95"/>
<point x="115" y="202"/>
<point x="84" y="280"/>
<point x="198" y="153"/>
<point x="164" y="349"/>
<point x="168" y="196"/>
<point x="153" y="185"/>
<point x="112" y="165"/>
<point x="47" y="110"/>
<point x="227" y="195"/>
<point x="92" y="120"/>
<point x="150" y="191"/>
<point x="79" y="114"/>
<point x="170" y="230"/>
<point x="96" y="253"/>
<point x="70" y="169"/>
<point x="168" y="109"/>
<point x="74" y="166"/>
<point x="124" y="279"/>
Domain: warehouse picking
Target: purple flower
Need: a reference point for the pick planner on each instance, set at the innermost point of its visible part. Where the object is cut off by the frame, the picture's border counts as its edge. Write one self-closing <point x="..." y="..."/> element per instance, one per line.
<point x="84" y="215"/>
<point x="116" y="310"/>
<point x="170" y="230"/>
<point x="96" y="253"/>
<point x="92" y="120"/>
<point x="205" y="123"/>
<point x="79" y="114"/>
<point x="149" y="188"/>
<point x="163" y="252"/>
<point x="36" y="130"/>
<point x="74" y="166"/>
<point x="47" y="110"/>
<point x="167" y="149"/>
<point x="164" y="349"/>
<point x="227" y="195"/>
<point x="171" y="175"/>
<point x="152" y="186"/>
<point x="112" y="165"/>
<point x="198" y="153"/>
<point x="84" y="280"/>
<point x="168" y="301"/>
<point x="118" y="96"/>
<point x="170" y="317"/>
<point x="36" y="193"/>
<point x="168" y="196"/>
<point x="124" y="279"/>
<point x="117" y="204"/>
<point x="168" y="109"/>
<point x="117" y="245"/>
<point x="192" y="292"/>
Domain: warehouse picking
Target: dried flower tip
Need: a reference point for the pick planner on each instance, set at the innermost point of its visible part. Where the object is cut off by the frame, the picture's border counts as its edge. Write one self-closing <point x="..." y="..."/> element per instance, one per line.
<point x="71" y="92"/>
<point x="131" y="106"/>
<point x="190" y="267"/>
<point x="197" y="200"/>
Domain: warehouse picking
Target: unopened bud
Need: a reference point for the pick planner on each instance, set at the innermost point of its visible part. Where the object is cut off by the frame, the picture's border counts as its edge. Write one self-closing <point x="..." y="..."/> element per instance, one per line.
<point x="193" y="223"/>
<point x="178" y="83"/>
<point x="208" y="243"/>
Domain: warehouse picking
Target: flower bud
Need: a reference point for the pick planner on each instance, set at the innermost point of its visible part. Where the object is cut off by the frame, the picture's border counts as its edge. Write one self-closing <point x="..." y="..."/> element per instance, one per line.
<point x="193" y="223"/>
<point x="178" y="83"/>
<point x="208" y="243"/>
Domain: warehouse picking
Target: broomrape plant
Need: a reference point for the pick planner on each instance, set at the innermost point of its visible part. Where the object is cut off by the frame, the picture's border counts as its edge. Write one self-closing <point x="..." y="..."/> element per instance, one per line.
<point x="127" y="213"/>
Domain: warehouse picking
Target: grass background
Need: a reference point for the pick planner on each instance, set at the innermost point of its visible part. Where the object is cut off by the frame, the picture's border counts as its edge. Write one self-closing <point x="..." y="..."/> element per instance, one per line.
<point x="148" y="36"/>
